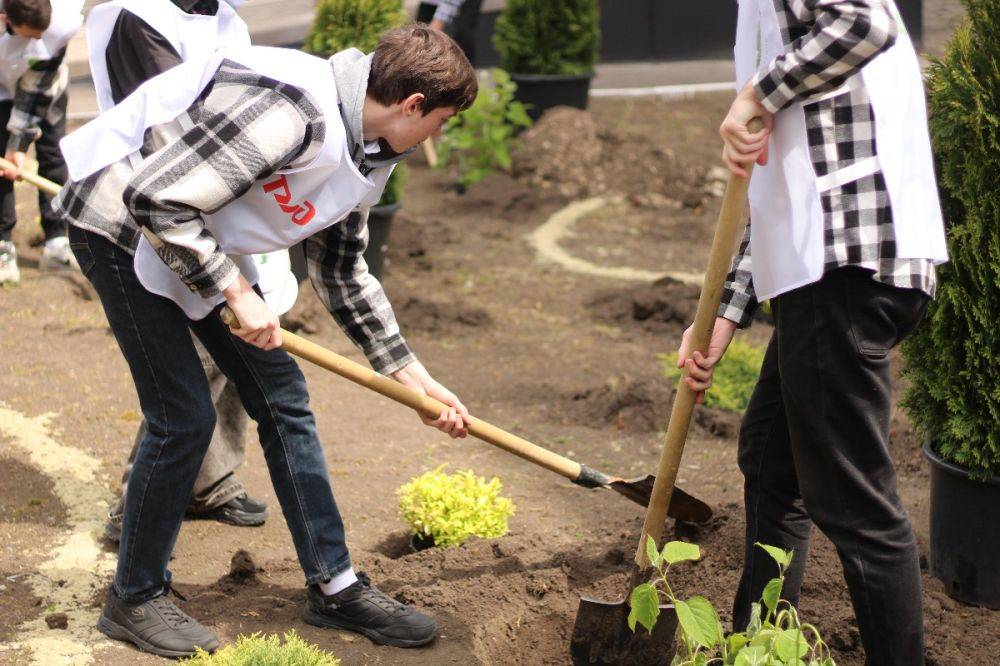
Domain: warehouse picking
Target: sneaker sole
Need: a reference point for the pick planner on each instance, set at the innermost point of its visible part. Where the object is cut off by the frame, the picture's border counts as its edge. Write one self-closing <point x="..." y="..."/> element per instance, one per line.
<point x="230" y="518"/>
<point x="120" y="633"/>
<point x="317" y="620"/>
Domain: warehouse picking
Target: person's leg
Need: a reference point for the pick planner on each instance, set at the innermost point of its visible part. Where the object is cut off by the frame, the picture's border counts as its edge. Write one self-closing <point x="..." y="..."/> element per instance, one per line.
<point x="775" y="514"/>
<point x="9" y="271"/>
<point x="51" y="165"/>
<point x="425" y="12"/>
<point x="274" y="393"/>
<point x="834" y="338"/>
<point x="463" y="28"/>
<point x="152" y="334"/>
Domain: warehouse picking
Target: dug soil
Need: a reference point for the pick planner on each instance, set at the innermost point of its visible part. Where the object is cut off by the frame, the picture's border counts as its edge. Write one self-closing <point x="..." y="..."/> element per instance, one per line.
<point x="567" y="360"/>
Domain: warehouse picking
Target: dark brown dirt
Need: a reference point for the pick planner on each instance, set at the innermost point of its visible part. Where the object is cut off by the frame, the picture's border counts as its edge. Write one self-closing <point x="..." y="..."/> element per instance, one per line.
<point x="666" y="305"/>
<point x="30" y="499"/>
<point x="17" y="603"/>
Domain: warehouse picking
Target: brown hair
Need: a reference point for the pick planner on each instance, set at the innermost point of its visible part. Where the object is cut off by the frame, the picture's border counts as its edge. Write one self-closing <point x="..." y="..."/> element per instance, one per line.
<point x="418" y="59"/>
<point x="35" y="14"/>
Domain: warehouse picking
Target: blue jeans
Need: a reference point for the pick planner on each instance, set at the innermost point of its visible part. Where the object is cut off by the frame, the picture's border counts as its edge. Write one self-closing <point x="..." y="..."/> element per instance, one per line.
<point x="152" y="333"/>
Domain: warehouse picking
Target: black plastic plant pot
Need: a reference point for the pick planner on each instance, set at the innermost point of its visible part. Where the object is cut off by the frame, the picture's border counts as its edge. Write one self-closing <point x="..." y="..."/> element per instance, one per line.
<point x="379" y="225"/>
<point x="419" y="542"/>
<point x="541" y="92"/>
<point x="965" y="533"/>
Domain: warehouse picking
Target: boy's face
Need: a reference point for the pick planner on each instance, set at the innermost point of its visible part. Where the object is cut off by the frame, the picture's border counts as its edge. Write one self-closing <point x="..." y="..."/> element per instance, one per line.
<point x="411" y="127"/>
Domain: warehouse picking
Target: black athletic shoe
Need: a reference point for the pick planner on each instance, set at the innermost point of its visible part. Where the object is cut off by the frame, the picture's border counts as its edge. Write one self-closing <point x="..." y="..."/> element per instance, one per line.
<point x="242" y="511"/>
<point x="156" y="626"/>
<point x="367" y="610"/>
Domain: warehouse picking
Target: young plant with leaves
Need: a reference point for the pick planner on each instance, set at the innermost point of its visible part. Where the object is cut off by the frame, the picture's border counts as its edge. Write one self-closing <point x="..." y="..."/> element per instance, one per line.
<point x="480" y="140"/>
<point x="734" y="379"/>
<point x="775" y="636"/>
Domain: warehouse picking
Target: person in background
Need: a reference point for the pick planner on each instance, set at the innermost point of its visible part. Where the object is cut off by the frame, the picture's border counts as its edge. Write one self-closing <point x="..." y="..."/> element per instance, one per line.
<point x="34" y="80"/>
<point x="131" y="41"/>
<point x="458" y="18"/>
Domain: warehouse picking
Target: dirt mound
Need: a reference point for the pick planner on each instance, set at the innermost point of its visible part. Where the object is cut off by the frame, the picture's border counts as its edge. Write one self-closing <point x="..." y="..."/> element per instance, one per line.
<point x="666" y="305"/>
<point x="569" y="152"/>
<point x="642" y="405"/>
<point x="418" y="314"/>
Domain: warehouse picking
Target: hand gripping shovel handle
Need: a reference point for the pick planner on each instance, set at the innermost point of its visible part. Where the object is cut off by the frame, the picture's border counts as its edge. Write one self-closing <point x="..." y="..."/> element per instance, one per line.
<point x="728" y="232"/>
<point x="424" y="404"/>
<point x="44" y="184"/>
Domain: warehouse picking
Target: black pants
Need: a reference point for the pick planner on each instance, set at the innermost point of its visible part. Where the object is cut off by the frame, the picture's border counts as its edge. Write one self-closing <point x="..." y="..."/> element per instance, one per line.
<point x="50" y="165"/>
<point x="814" y="448"/>
<point x="462" y="29"/>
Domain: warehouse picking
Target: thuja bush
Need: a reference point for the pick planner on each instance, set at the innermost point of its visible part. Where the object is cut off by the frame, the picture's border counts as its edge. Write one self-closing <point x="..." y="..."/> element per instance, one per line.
<point x="775" y="636"/>
<point x="450" y="508"/>
<point x="343" y="24"/>
<point x="734" y="378"/>
<point x="953" y="359"/>
<point x="548" y="36"/>
<point x="258" y="650"/>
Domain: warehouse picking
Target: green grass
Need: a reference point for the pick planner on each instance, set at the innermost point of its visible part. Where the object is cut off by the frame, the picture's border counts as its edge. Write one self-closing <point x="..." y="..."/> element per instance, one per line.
<point x="734" y="378"/>
<point x="258" y="650"/>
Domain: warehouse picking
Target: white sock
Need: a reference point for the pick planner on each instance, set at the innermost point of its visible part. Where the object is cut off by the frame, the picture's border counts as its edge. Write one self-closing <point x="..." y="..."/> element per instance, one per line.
<point x="341" y="581"/>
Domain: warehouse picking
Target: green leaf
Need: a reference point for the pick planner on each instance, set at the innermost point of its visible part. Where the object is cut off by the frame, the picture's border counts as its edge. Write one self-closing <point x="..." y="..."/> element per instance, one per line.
<point x="645" y="607"/>
<point x="752" y="656"/>
<point x="679" y="551"/>
<point x="699" y="621"/>
<point x="782" y="557"/>
<point x="790" y="645"/>
<point x="736" y="642"/>
<point x="754" y="625"/>
<point x="652" y="552"/>
<point x="772" y="594"/>
<point x="763" y="638"/>
<point x="700" y="659"/>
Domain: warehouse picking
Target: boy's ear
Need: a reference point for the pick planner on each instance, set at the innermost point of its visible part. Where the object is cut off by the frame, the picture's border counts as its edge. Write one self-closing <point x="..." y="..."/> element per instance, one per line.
<point x="413" y="104"/>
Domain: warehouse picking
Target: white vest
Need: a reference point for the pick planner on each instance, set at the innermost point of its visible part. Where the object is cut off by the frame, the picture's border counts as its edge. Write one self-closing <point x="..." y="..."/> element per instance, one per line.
<point x="276" y="212"/>
<point x="193" y="36"/>
<point x="787" y="230"/>
<point x="17" y="53"/>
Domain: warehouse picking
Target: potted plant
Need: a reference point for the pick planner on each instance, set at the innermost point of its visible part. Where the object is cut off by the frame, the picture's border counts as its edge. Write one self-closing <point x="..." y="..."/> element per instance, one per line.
<point x="953" y="359"/>
<point x="447" y="509"/>
<point x="342" y="24"/>
<point x="550" y="49"/>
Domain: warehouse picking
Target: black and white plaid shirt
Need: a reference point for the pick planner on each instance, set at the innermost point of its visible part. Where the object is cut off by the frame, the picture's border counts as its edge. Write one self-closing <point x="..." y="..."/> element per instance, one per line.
<point x="245" y="128"/>
<point x="825" y="43"/>
<point x="37" y="98"/>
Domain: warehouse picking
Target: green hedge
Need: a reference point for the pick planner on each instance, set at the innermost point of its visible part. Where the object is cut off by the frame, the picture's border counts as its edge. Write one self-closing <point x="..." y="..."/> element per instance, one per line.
<point x="548" y="36"/>
<point x="953" y="359"/>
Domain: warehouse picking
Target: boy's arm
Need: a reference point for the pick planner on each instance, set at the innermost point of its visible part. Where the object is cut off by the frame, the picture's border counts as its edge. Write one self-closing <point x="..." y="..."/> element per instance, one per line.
<point x="843" y="36"/>
<point x="37" y="89"/>
<point x="207" y="167"/>
<point x="738" y="298"/>
<point x="353" y="296"/>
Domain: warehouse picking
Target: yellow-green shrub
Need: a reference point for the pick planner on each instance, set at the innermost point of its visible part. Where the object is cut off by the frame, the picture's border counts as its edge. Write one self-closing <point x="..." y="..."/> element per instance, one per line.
<point x="734" y="378"/>
<point x="450" y="508"/>
<point x="259" y="650"/>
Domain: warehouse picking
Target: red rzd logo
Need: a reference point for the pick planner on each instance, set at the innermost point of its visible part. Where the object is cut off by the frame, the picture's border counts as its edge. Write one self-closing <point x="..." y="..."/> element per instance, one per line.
<point x="300" y="214"/>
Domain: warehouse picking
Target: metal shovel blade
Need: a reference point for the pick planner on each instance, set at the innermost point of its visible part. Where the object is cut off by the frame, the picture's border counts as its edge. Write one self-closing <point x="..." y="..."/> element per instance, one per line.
<point x="682" y="505"/>
<point x="601" y="636"/>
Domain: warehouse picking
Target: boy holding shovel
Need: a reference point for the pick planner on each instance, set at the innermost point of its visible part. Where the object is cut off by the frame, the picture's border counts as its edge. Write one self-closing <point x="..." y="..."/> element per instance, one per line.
<point x="845" y="231"/>
<point x="275" y="146"/>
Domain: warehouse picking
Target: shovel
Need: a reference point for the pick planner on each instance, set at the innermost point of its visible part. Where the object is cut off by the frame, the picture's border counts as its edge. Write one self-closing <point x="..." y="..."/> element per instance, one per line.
<point x="681" y="506"/>
<point x="601" y="634"/>
<point x="44" y="184"/>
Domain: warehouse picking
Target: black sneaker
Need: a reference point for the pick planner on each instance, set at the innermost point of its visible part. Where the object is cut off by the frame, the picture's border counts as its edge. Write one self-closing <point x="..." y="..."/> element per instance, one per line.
<point x="156" y="626"/>
<point x="365" y="609"/>
<point x="242" y="511"/>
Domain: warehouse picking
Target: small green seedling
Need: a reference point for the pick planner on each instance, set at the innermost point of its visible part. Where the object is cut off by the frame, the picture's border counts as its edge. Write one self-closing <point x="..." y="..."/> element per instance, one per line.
<point x="774" y="637"/>
<point x="450" y="508"/>
<point x="260" y="650"/>
<point x="480" y="139"/>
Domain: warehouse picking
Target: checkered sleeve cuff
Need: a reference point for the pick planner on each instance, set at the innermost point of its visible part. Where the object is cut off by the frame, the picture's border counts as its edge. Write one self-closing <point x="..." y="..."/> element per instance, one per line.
<point x="737" y="306"/>
<point x="19" y="142"/>
<point x="772" y="91"/>
<point x="390" y="355"/>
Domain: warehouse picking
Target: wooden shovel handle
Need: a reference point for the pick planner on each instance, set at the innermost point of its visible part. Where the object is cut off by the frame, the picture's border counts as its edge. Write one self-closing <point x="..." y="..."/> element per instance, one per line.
<point x="365" y="376"/>
<point x="44" y="184"/>
<point x="728" y="232"/>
